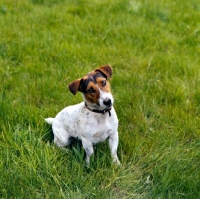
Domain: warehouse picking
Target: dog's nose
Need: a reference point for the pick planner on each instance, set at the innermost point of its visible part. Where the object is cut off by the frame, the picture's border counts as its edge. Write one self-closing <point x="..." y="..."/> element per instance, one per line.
<point x="107" y="102"/>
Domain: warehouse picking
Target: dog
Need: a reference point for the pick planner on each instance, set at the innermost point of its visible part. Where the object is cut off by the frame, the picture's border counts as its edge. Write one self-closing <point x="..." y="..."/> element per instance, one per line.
<point x="91" y="121"/>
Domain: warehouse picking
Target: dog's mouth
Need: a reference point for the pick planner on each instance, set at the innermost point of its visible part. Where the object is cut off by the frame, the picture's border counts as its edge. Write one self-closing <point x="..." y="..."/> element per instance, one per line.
<point x="99" y="109"/>
<point x="104" y="107"/>
<point x="99" y="106"/>
<point x="109" y="106"/>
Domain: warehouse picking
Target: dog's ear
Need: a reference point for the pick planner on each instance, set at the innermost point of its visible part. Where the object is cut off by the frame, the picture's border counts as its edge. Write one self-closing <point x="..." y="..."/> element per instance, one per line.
<point x="74" y="86"/>
<point x="105" y="70"/>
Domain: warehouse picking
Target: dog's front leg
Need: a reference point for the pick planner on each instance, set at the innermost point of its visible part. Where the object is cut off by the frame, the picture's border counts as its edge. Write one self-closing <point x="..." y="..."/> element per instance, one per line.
<point x="113" y="144"/>
<point x="88" y="147"/>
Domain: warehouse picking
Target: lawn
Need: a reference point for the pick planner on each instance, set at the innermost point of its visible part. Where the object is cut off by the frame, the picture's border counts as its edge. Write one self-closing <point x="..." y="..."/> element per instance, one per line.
<point x="154" y="49"/>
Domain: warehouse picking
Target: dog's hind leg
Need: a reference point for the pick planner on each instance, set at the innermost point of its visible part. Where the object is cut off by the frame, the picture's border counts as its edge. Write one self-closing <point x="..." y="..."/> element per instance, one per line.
<point x="61" y="137"/>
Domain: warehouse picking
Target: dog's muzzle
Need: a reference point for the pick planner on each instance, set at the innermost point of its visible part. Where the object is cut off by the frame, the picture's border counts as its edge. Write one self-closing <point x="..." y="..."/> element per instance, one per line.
<point x="107" y="102"/>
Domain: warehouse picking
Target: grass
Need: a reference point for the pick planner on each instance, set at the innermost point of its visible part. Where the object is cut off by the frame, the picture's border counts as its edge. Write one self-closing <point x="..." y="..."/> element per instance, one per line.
<point x="154" y="48"/>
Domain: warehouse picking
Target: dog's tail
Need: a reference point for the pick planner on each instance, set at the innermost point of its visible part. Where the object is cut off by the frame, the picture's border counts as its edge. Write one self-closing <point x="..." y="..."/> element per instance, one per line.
<point x="49" y="120"/>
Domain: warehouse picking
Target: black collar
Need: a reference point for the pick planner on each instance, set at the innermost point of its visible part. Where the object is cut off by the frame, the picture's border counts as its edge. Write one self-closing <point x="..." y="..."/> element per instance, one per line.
<point x="100" y="111"/>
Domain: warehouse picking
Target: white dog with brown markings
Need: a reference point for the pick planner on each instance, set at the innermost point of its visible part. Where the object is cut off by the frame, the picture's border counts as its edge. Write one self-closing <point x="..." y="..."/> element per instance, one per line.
<point x="91" y="121"/>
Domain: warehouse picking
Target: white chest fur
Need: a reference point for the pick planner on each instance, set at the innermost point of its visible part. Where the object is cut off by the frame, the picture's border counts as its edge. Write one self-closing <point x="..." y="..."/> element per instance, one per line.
<point x="79" y="122"/>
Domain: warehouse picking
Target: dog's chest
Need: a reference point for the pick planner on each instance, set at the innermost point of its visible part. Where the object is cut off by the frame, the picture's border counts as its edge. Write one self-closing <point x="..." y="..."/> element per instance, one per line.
<point x="96" y="127"/>
<point x="82" y="123"/>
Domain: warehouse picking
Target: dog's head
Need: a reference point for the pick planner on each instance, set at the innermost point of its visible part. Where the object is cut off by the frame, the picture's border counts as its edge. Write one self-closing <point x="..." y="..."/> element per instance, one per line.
<point x="95" y="87"/>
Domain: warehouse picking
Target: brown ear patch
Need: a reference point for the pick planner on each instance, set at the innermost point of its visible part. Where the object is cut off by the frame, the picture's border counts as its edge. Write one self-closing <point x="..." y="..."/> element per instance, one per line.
<point x="74" y="86"/>
<point x="105" y="70"/>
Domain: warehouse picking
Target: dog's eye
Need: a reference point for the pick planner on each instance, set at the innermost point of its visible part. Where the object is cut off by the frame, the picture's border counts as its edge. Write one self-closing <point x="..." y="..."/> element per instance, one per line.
<point x="90" y="90"/>
<point x="104" y="83"/>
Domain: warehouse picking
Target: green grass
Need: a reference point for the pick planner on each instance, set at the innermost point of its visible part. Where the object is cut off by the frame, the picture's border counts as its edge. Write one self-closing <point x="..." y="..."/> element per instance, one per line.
<point x="154" y="48"/>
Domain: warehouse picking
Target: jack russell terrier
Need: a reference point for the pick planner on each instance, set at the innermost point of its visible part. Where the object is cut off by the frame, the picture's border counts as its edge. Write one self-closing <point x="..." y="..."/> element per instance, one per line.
<point x="91" y="121"/>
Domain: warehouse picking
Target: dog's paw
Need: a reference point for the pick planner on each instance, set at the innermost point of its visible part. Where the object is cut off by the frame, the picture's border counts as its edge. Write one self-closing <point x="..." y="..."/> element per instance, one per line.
<point x="116" y="162"/>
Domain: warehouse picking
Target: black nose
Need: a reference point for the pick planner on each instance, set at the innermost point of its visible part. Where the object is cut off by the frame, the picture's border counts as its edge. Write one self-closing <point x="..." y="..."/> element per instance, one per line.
<point x="107" y="102"/>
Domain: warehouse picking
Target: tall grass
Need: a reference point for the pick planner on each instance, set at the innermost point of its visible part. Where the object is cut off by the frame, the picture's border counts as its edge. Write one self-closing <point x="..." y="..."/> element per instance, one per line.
<point x="154" y="48"/>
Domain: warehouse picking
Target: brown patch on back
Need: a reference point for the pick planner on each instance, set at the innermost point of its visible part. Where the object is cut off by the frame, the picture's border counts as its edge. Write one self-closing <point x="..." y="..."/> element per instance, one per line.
<point x="97" y="134"/>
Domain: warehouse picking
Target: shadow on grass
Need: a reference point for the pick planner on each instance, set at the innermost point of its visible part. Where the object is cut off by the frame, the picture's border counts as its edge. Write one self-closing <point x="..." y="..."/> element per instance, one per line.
<point x="75" y="145"/>
<point x="101" y="155"/>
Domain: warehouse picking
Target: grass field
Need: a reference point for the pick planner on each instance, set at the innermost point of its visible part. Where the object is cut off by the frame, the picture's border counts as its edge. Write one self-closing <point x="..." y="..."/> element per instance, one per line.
<point x="154" y="49"/>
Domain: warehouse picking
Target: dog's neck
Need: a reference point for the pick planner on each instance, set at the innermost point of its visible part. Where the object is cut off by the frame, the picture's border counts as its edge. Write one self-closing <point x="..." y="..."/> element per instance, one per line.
<point x="97" y="109"/>
<point x="101" y="111"/>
